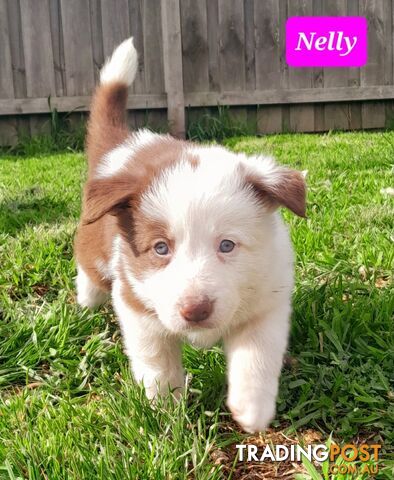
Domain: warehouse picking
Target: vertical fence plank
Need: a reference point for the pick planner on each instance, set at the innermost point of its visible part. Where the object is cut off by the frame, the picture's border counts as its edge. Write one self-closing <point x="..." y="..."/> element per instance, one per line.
<point x="389" y="60"/>
<point x="172" y="59"/>
<point x="267" y="45"/>
<point x="354" y="75"/>
<point x="153" y="54"/>
<point x="284" y="67"/>
<point x="336" y="115"/>
<point x="268" y="62"/>
<point x="194" y="45"/>
<point x="195" y="54"/>
<point x="136" y="30"/>
<point x="301" y="116"/>
<point x="37" y="45"/>
<point x="16" y="47"/>
<point x="213" y="44"/>
<point x="21" y="123"/>
<point x="138" y="118"/>
<point x="373" y="73"/>
<point x="250" y="60"/>
<point x="231" y="42"/>
<point x="232" y="51"/>
<point x="6" y="81"/>
<point x="115" y="24"/>
<point x="96" y="29"/>
<point x="391" y="34"/>
<point x="78" y="54"/>
<point x="57" y="47"/>
<point x="8" y="133"/>
<point x="38" y="54"/>
<point x="250" y="44"/>
<point x="318" y="78"/>
<point x="153" y="45"/>
<point x="115" y="28"/>
<point x="390" y="105"/>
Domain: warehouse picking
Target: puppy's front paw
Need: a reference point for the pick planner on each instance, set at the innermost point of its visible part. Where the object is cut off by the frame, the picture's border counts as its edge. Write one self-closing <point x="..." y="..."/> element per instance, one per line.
<point x="253" y="413"/>
<point x="163" y="385"/>
<point x="164" y="390"/>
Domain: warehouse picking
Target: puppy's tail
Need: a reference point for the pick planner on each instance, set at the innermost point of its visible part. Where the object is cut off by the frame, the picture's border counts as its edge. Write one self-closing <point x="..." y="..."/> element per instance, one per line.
<point x="107" y="125"/>
<point x="121" y="67"/>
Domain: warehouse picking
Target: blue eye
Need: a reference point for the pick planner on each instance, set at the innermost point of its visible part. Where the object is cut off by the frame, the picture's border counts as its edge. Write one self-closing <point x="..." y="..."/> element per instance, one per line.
<point x="161" y="248"/>
<point x="226" y="246"/>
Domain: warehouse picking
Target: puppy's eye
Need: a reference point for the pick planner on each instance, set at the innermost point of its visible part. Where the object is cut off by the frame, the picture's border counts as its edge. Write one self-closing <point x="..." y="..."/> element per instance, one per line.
<point x="226" y="246"/>
<point x="161" y="248"/>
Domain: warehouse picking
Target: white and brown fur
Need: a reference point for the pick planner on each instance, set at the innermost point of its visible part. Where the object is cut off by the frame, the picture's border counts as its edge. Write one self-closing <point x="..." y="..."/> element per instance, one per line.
<point x="144" y="188"/>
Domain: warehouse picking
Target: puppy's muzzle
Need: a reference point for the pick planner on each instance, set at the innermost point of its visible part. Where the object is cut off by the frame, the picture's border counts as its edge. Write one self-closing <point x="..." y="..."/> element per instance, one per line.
<point x="196" y="309"/>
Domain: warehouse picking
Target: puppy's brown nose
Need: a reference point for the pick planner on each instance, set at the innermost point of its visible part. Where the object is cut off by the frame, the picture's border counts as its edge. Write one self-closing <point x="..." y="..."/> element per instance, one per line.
<point x="196" y="309"/>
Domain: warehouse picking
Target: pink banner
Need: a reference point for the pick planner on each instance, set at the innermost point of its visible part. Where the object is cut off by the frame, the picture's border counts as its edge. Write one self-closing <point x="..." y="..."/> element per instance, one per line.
<point x="326" y="41"/>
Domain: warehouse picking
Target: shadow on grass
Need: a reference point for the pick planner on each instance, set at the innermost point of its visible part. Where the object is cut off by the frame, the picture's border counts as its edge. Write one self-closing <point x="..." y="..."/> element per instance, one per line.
<point x="15" y="214"/>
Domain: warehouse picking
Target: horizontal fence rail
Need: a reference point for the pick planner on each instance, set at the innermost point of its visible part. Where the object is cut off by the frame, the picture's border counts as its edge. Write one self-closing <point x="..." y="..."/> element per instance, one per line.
<point x="193" y="55"/>
<point x="204" y="99"/>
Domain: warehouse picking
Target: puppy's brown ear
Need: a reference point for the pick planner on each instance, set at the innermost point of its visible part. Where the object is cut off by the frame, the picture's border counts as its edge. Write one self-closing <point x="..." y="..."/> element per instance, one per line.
<point x="278" y="186"/>
<point x="103" y="196"/>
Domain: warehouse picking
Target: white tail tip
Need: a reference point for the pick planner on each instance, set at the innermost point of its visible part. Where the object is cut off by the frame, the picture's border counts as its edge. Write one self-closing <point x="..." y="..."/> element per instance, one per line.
<point x="122" y="65"/>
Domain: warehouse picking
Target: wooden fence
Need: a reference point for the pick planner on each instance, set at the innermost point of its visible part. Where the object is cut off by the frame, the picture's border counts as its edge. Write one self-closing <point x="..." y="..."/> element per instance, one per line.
<point x="192" y="53"/>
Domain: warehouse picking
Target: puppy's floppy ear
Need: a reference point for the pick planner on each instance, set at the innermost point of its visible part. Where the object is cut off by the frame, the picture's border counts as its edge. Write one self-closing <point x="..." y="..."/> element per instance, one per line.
<point x="103" y="196"/>
<point x="276" y="185"/>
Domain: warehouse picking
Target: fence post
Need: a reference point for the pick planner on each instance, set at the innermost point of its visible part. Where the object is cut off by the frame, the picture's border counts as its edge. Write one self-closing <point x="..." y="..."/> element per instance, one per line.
<point x="172" y="62"/>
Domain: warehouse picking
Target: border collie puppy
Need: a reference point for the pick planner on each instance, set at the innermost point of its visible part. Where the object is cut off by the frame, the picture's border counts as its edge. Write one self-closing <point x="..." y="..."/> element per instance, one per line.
<point x="188" y="242"/>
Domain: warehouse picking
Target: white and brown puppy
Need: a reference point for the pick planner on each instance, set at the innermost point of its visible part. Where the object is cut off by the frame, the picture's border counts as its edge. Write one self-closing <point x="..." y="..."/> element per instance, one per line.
<point x="188" y="241"/>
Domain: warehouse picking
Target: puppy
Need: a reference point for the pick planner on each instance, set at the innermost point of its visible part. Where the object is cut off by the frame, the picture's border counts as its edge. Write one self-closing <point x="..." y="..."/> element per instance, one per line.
<point x="188" y="242"/>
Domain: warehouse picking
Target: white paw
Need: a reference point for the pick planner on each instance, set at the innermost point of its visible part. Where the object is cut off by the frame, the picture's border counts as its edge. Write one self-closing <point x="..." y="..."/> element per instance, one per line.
<point x="163" y="389"/>
<point x="92" y="299"/>
<point x="88" y="294"/>
<point x="159" y="384"/>
<point x="252" y="412"/>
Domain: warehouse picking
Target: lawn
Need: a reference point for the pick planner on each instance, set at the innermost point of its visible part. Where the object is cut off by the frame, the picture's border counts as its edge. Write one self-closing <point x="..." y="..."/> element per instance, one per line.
<point x="69" y="408"/>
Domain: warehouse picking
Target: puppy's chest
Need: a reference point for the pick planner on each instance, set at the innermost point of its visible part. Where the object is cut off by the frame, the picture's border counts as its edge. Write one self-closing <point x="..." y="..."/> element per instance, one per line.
<point x="203" y="338"/>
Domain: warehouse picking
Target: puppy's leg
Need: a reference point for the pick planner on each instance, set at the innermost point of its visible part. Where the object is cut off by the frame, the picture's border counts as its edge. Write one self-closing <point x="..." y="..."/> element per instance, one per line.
<point x="156" y="359"/>
<point x="88" y="294"/>
<point x="156" y="362"/>
<point x="254" y="361"/>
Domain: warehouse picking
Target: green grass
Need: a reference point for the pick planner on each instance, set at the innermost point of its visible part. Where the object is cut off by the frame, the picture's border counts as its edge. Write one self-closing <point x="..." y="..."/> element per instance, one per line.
<point x="69" y="408"/>
<point x="62" y="134"/>
<point x="219" y="124"/>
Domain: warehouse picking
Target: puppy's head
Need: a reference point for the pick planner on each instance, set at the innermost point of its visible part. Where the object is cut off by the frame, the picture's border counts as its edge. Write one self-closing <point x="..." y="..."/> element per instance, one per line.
<point x="197" y="225"/>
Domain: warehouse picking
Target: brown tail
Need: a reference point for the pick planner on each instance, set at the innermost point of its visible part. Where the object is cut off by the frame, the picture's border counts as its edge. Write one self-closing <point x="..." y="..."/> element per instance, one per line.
<point x="107" y="126"/>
